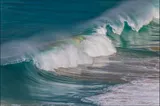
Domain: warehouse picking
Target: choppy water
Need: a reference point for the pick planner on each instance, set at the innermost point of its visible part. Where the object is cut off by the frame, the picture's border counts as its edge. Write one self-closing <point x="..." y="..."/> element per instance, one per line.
<point x="80" y="53"/>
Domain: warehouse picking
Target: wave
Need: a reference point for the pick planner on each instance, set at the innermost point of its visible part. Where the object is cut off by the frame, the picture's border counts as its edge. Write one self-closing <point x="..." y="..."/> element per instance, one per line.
<point x="135" y="17"/>
<point x="82" y="49"/>
<point x="73" y="55"/>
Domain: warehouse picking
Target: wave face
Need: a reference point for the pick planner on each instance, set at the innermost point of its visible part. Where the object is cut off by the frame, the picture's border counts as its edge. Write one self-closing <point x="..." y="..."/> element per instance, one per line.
<point x="50" y="48"/>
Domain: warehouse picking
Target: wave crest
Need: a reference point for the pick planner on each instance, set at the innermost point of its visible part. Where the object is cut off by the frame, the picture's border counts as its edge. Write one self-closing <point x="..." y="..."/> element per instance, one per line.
<point x="145" y="12"/>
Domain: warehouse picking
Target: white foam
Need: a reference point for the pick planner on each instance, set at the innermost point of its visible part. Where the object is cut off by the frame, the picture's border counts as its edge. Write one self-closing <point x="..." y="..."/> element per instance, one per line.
<point x="72" y="55"/>
<point x="101" y="30"/>
<point x="69" y="56"/>
<point x="97" y="46"/>
<point x="142" y="92"/>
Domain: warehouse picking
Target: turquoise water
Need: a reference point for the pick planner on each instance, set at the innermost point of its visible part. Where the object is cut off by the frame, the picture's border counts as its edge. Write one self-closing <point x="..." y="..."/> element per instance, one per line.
<point x="59" y="52"/>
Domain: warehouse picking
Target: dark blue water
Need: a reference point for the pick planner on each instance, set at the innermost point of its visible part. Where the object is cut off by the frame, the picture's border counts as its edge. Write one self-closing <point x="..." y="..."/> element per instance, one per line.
<point x="22" y="19"/>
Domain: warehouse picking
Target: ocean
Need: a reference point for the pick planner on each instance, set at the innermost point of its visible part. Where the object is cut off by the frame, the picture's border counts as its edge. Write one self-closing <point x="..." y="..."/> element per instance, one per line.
<point x="79" y="52"/>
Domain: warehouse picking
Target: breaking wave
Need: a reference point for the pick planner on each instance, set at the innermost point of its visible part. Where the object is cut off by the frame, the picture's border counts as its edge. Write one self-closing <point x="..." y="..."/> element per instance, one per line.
<point x="82" y="49"/>
<point x="73" y="55"/>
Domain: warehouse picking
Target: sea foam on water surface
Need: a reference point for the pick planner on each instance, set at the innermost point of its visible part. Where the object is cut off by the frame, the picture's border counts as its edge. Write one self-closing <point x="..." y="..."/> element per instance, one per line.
<point x="138" y="93"/>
